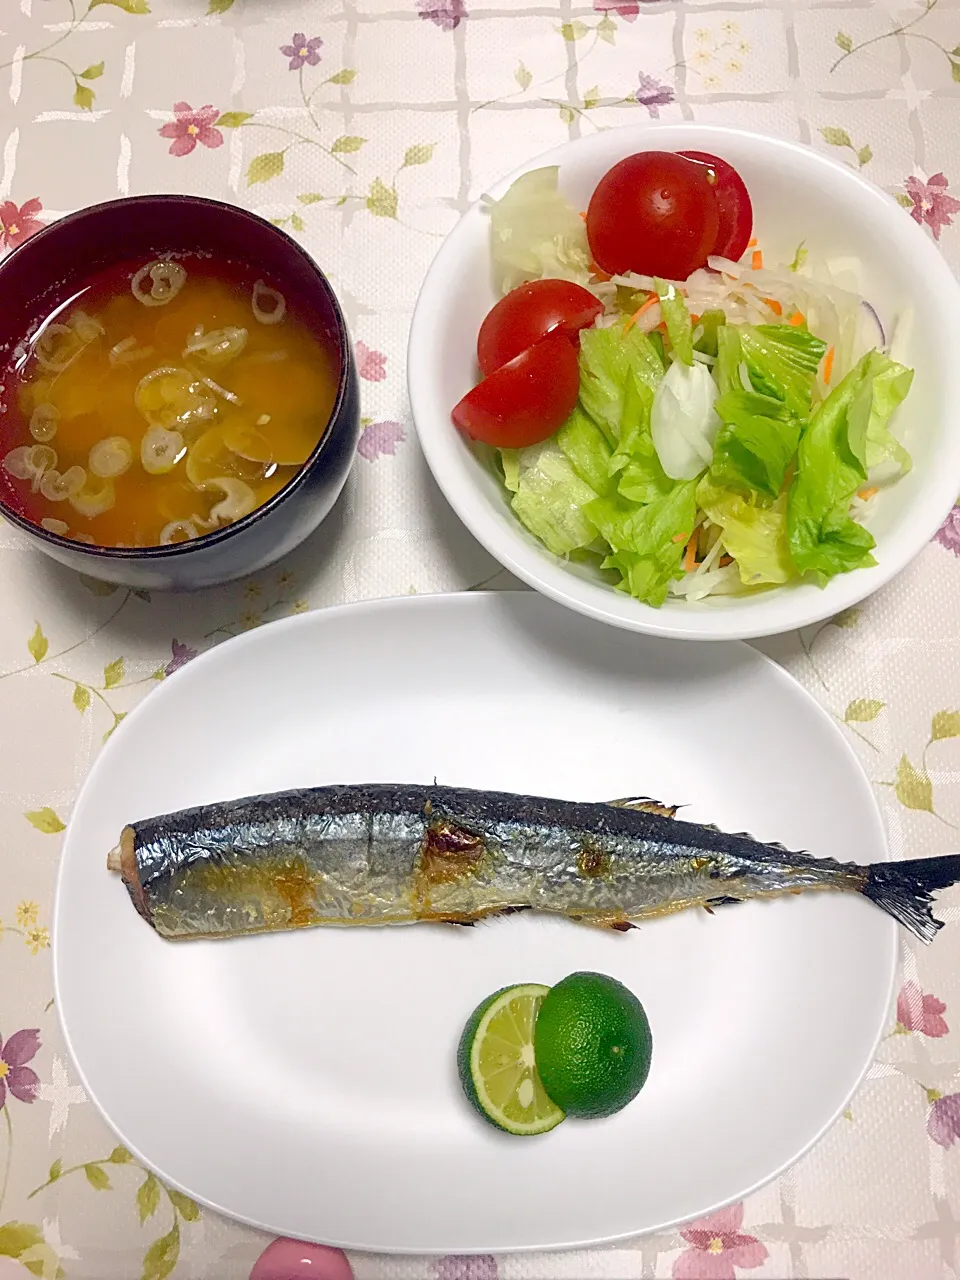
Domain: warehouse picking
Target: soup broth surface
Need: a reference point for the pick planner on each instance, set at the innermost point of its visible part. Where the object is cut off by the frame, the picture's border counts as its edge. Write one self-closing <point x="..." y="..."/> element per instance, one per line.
<point x="160" y="401"/>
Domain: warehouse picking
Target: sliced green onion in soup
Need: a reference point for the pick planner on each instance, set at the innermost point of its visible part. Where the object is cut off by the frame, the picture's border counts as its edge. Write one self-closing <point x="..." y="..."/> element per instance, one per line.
<point x="111" y="457"/>
<point x="238" y="500"/>
<point x="218" y="346"/>
<point x="56" y="348"/>
<point x="44" y="422"/>
<point x="178" y="531"/>
<point x="269" y="305"/>
<point x="172" y="397"/>
<point x="158" y="283"/>
<point x="126" y="351"/>
<point x="161" y="450"/>
<point x="96" y="497"/>
<point x="85" y="327"/>
<point x="57" y="488"/>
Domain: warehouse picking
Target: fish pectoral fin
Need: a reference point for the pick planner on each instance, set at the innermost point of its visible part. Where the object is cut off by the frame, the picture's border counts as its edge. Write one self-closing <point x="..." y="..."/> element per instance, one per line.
<point x="644" y="804"/>
<point x="723" y="901"/>
<point x="619" y="923"/>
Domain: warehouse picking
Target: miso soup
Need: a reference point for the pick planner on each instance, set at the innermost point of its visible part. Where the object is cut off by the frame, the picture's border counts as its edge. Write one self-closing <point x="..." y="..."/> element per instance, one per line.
<point x="160" y="401"/>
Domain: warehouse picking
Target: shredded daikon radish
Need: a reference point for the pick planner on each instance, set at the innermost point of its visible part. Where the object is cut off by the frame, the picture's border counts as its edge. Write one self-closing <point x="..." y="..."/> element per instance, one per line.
<point x="269" y="306"/>
<point x="54" y="526"/>
<point x="726" y="265"/>
<point x="86" y="538"/>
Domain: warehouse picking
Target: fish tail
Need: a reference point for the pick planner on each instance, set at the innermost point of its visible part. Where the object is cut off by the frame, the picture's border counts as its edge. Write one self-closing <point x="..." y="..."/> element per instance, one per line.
<point x="905" y="890"/>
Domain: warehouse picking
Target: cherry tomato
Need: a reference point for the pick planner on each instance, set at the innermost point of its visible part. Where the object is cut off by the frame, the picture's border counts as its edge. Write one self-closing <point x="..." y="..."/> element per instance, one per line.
<point x="526" y="400"/>
<point x="733" y="206"/>
<point x="528" y="313"/>
<point x="654" y="213"/>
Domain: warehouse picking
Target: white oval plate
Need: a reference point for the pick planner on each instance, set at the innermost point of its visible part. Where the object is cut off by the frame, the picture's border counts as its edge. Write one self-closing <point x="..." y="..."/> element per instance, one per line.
<point x="306" y="1083"/>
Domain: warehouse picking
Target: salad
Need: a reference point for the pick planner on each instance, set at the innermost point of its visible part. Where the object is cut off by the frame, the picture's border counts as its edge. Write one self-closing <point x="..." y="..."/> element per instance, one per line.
<point x="660" y="401"/>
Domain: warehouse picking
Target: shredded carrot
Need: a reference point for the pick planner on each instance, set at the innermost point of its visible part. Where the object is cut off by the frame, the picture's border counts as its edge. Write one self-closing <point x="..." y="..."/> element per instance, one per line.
<point x="797" y="319"/>
<point x="752" y="242"/>
<point x="694" y="319"/>
<point x="639" y="312"/>
<point x="680" y="537"/>
<point x="756" y="259"/>
<point x="867" y="494"/>
<point x="774" y="306"/>
<point x="599" y="274"/>
<point x="583" y="215"/>
<point x="690" y="555"/>
<point x="828" y="365"/>
<point x="725" y="560"/>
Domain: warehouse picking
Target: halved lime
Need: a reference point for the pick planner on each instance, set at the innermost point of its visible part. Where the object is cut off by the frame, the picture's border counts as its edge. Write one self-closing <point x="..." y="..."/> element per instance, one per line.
<point x="593" y="1044"/>
<point x="497" y="1067"/>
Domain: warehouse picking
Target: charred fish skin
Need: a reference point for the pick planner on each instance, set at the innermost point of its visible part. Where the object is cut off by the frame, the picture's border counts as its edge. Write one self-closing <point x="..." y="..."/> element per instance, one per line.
<point x="398" y="854"/>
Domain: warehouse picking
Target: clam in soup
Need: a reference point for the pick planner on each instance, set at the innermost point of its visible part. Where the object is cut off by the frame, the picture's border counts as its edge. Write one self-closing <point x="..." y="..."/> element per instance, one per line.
<point x="161" y="401"/>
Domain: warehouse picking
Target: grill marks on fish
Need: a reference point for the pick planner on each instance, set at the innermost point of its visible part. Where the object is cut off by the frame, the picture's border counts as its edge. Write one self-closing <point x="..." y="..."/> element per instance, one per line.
<point x="377" y="855"/>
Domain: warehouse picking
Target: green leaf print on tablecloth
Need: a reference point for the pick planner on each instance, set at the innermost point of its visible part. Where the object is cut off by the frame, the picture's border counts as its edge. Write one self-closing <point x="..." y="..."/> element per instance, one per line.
<point x="25" y="1243"/>
<point x="45" y="820"/>
<point x="202" y="126"/>
<point x="162" y="1255"/>
<point x="83" y="96"/>
<point x="840" y="138"/>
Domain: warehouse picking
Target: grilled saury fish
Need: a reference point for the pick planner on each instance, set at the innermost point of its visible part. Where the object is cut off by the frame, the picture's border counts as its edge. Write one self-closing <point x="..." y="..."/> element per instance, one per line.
<point x="397" y="854"/>
<point x="401" y="854"/>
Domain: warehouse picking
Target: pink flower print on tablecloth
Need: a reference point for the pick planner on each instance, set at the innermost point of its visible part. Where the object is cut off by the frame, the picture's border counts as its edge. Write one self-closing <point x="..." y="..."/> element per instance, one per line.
<point x="371" y="365"/>
<point x="190" y="127"/>
<point x="18" y="223"/>
<point x="627" y="9"/>
<point x="717" y="1247"/>
<point x="379" y="438"/>
<point x="182" y="654"/>
<point x="919" y="1012"/>
<point x="943" y="1122"/>
<point x="653" y="95"/>
<point x="932" y="206"/>
<point x="481" y="1266"/>
<point x="16" y="1078"/>
<point x="301" y="51"/>
<point x="948" y="535"/>
<point x="446" y="14"/>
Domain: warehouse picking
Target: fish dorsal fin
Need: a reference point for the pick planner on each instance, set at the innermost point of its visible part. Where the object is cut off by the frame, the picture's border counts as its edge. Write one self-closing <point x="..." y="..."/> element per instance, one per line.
<point x="767" y="844"/>
<point x="644" y="804"/>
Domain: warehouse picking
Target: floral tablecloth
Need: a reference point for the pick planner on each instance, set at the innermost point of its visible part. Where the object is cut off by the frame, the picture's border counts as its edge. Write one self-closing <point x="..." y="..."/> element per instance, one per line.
<point x="365" y="127"/>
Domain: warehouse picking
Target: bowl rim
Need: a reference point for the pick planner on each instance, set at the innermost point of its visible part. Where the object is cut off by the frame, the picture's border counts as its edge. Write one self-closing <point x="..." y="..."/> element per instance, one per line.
<point x="222" y="208"/>
<point x="774" y="612"/>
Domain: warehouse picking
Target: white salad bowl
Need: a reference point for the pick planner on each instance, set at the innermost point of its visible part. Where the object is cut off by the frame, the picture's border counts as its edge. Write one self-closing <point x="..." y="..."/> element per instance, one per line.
<point x="798" y="195"/>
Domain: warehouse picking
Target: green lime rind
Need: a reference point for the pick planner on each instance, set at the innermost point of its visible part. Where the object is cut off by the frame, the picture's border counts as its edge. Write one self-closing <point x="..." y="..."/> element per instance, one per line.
<point x="469" y="1065"/>
<point x="592" y="1044"/>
